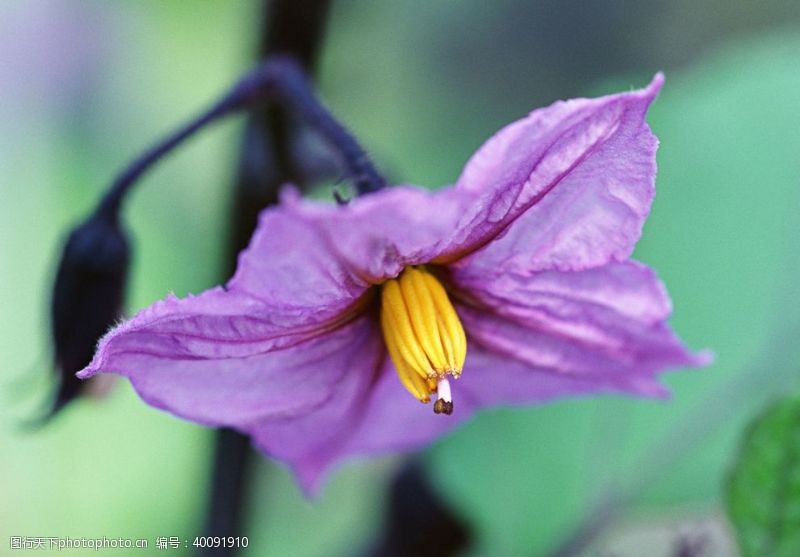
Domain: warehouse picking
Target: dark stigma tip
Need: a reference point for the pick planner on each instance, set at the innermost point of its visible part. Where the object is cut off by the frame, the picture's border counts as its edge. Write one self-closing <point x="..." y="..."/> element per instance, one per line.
<point x="441" y="406"/>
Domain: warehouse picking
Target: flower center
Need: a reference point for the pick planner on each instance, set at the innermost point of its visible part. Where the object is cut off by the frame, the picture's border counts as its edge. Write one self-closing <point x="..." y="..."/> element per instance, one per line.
<point x="423" y="334"/>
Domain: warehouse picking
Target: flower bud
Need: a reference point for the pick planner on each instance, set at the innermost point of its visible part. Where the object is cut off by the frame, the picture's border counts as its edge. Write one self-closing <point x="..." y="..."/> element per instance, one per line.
<point x="87" y="297"/>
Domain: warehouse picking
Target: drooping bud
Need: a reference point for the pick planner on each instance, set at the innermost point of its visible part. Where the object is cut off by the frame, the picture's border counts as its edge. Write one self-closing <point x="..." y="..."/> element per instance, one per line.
<point x="87" y="297"/>
<point x="423" y="335"/>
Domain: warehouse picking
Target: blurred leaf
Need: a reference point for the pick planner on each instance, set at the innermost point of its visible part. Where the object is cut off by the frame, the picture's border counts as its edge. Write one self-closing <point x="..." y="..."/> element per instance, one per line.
<point x="763" y="495"/>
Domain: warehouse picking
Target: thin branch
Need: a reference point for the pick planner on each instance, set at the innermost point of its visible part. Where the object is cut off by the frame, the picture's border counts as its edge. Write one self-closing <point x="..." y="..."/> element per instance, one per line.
<point x="280" y="79"/>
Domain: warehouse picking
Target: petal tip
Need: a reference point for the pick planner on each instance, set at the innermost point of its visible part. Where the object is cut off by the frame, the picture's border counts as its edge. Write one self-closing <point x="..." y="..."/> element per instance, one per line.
<point x="310" y="477"/>
<point x="703" y="358"/>
<point x="94" y="367"/>
<point x="656" y="84"/>
<point x="649" y="93"/>
<point x="86" y="373"/>
<point x="289" y="194"/>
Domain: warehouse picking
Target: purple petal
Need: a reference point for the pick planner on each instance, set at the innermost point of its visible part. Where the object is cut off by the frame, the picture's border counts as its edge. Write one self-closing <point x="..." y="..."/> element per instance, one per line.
<point x="378" y="235"/>
<point x="215" y="324"/>
<point x="495" y="379"/>
<point x="291" y="263"/>
<point x="394" y="422"/>
<point x="292" y="399"/>
<point x="280" y="295"/>
<point x="567" y="188"/>
<point x="313" y="440"/>
<point x="605" y="325"/>
<point x="390" y="421"/>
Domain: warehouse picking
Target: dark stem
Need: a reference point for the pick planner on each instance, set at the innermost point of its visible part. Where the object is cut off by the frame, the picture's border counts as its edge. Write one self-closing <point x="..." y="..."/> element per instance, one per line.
<point x="294" y="27"/>
<point x="290" y="27"/>
<point x="418" y="522"/>
<point x="227" y="494"/>
<point x="297" y="93"/>
<point x="110" y="204"/>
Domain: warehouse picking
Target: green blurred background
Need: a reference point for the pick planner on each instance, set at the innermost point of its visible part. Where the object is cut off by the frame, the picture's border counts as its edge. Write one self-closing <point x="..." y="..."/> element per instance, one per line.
<point x="86" y="84"/>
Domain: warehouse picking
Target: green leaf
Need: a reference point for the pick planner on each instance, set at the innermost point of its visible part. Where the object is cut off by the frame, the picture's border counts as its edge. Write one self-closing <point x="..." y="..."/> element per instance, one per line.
<point x="763" y="494"/>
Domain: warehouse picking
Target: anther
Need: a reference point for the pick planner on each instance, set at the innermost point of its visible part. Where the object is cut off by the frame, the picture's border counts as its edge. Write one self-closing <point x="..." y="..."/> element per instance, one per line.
<point x="423" y="335"/>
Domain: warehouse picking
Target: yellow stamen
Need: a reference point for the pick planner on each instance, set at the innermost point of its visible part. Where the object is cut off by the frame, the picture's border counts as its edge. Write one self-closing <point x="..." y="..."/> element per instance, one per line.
<point x="449" y="324"/>
<point x="412" y="381"/>
<point x="423" y="333"/>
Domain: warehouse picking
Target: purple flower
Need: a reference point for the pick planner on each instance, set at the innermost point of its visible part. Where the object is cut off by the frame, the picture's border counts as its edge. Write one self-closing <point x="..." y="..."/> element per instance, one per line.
<point x="517" y="280"/>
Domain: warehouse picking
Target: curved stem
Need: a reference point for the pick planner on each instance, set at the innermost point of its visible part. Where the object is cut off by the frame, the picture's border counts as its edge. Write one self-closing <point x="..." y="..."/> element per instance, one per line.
<point x="279" y="79"/>
<point x="111" y="201"/>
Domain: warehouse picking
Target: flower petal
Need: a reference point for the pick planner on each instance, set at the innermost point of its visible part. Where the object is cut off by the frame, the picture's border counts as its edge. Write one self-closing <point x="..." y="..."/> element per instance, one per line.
<point x="567" y="188"/>
<point x="631" y="289"/>
<point x="313" y="440"/>
<point x="564" y="159"/>
<point x="214" y="325"/>
<point x="494" y="379"/>
<point x="606" y="324"/>
<point x="280" y="295"/>
<point x="283" y="386"/>
<point x="378" y="235"/>
<point x="394" y="422"/>
<point x="290" y="264"/>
